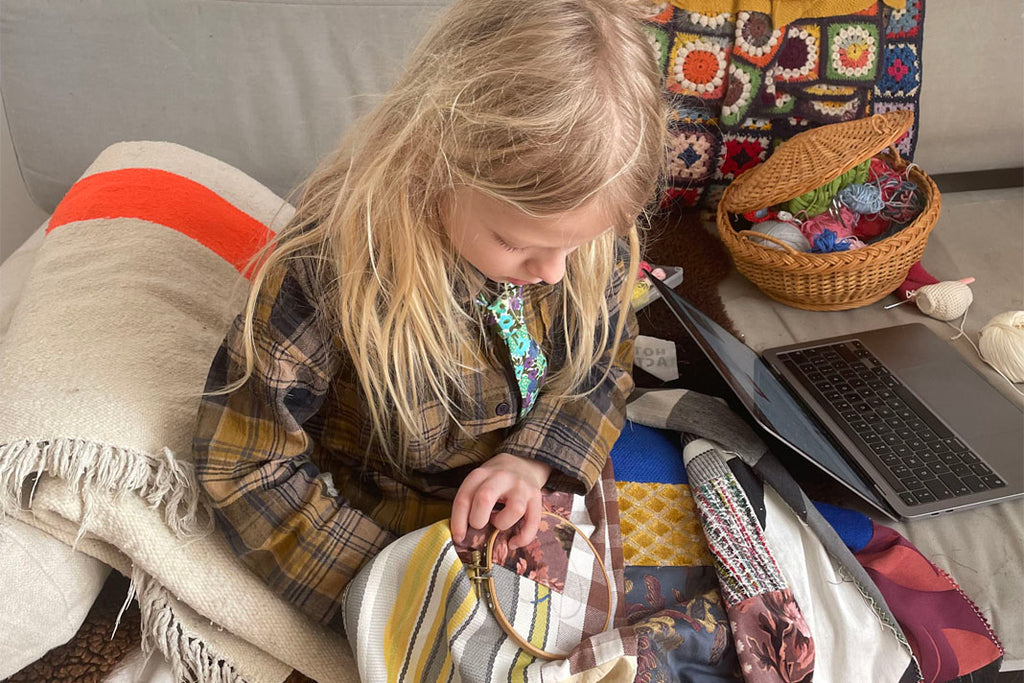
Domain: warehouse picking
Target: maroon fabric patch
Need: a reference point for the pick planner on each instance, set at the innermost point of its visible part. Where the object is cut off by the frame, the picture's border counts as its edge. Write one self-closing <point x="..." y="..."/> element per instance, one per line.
<point x="946" y="631"/>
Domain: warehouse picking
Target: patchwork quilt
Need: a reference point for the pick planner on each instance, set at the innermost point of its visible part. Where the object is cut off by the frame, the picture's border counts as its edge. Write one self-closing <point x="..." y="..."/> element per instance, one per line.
<point x="722" y="569"/>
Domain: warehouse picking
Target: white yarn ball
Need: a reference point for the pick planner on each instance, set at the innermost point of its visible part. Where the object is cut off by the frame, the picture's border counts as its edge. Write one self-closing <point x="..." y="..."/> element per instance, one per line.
<point x="785" y="232"/>
<point x="1002" y="344"/>
<point x="944" y="300"/>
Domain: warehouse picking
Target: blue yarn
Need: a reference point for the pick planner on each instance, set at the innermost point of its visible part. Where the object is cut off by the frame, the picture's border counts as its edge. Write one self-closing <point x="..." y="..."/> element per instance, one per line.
<point x="826" y="242"/>
<point x="861" y="198"/>
<point x="645" y="454"/>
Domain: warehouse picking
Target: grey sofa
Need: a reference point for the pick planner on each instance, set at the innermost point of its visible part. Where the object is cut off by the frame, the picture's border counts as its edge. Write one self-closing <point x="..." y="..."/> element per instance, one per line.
<point x="268" y="87"/>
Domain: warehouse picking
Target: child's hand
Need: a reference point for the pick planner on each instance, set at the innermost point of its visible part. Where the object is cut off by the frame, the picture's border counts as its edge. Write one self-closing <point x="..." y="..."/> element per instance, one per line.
<point x="507" y="479"/>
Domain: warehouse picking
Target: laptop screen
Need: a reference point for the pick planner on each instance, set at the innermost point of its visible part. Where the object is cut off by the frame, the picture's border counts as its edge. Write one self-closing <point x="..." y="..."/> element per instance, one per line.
<point x="770" y="403"/>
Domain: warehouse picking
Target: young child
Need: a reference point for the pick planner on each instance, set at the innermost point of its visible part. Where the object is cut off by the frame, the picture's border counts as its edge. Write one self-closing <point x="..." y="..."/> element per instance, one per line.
<point x="443" y="329"/>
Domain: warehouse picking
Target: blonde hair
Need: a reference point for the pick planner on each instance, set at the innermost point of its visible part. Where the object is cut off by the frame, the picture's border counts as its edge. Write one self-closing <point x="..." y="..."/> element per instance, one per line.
<point x="544" y="104"/>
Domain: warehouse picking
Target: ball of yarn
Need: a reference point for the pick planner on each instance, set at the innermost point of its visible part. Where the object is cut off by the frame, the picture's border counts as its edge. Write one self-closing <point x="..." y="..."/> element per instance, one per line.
<point x="828" y="241"/>
<point x="1002" y="344"/>
<point x="842" y="224"/>
<point x="944" y="300"/>
<point x="784" y="232"/>
<point x="820" y="198"/>
<point x="861" y="198"/>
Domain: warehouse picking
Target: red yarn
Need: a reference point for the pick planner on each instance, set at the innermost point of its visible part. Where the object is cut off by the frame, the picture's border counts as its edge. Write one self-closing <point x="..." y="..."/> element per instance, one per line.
<point x="869" y="227"/>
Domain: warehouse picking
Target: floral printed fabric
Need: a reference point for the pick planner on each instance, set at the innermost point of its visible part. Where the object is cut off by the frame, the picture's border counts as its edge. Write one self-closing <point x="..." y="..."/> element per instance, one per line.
<point x="529" y="363"/>
<point x="773" y="640"/>
<point x="681" y="625"/>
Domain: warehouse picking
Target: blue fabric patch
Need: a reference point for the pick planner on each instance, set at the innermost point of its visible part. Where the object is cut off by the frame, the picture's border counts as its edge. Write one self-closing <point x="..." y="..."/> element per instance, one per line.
<point x="646" y="454"/>
<point x="854" y="528"/>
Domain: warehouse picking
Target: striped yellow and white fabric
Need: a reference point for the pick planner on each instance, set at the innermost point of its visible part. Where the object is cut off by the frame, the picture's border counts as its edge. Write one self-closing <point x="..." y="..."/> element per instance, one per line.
<point x="412" y="613"/>
<point x="139" y="276"/>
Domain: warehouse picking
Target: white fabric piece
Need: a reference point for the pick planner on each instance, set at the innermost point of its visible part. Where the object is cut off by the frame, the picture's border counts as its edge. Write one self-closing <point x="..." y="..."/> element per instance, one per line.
<point x="413" y="615"/>
<point x="47" y="588"/>
<point x="656" y="356"/>
<point x="650" y="408"/>
<point x="830" y="604"/>
<point x="138" y="667"/>
<point x="851" y="642"/>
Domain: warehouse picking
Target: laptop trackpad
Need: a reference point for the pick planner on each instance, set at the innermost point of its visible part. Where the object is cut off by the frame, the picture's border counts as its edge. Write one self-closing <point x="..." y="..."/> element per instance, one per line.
<point x="963" y="400"/>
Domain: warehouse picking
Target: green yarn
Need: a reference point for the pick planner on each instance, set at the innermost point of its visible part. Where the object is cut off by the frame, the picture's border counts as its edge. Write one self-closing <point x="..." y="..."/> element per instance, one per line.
<point x="818" y="200"/>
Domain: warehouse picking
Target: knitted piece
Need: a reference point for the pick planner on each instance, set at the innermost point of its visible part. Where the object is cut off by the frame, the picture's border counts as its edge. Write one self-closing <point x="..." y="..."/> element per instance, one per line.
<point x="738" y="84"/>
<point x="529" y="363"/>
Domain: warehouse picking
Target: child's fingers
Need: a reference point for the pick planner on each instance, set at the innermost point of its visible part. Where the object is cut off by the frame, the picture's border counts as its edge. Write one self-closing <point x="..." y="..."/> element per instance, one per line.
<point x="463" y="503"/>
<point x="458" y="524"/>
<point x="530" y="525"/>
<point x="513" y="511"/>
<point x="485" y="498"/>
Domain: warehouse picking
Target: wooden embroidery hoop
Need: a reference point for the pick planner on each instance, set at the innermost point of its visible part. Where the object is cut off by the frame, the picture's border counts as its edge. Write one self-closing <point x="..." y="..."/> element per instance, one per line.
<point x="483" y="582"/>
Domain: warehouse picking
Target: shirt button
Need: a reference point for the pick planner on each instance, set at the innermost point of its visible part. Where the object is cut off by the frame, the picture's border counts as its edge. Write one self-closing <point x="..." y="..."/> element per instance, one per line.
<point x="502" y="408"/>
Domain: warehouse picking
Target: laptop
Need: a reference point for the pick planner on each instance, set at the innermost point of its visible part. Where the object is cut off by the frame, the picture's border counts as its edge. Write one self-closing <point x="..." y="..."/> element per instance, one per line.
<point x="895" y="415"/>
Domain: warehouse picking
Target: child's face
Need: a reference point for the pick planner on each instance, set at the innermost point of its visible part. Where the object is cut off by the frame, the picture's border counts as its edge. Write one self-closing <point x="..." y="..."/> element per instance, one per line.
<point x="508" y="245"/>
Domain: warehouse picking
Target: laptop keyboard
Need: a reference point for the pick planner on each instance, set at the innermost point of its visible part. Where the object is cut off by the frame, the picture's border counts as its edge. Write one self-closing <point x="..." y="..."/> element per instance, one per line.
<point x="921" y="459"/>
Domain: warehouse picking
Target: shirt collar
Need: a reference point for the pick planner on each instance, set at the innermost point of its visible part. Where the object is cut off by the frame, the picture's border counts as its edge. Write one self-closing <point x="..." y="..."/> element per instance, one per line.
<point x="467" y="290"/>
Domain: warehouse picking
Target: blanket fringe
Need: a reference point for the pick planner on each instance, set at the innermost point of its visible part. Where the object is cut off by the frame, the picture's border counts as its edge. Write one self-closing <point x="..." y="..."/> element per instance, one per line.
<point x="88" y="466"/>
<point x="190" y="658"/>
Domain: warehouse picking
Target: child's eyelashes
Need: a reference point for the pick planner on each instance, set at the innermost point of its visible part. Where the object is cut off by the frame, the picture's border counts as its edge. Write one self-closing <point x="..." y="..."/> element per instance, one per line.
<point x="505" y="245"/>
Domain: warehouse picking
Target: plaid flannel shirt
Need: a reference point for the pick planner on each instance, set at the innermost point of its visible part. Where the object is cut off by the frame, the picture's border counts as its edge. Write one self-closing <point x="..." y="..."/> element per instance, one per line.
<point x="283" y="458"/>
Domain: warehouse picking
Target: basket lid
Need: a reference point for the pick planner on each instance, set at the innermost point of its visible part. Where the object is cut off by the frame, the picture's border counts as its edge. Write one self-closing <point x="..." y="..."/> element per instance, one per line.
<point x="812" y="158"/>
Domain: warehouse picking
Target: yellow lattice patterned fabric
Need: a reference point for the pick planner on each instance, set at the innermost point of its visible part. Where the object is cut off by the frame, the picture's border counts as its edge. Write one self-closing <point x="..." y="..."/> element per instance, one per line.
<point x="660" y="525"/>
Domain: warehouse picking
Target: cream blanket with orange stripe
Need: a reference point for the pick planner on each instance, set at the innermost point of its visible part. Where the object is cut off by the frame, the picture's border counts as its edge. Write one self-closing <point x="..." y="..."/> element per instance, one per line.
<point x="107" y="352"/>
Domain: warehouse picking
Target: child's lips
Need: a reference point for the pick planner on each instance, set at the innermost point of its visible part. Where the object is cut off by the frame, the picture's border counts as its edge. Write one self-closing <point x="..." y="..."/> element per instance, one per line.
<point x="514" y="281"/>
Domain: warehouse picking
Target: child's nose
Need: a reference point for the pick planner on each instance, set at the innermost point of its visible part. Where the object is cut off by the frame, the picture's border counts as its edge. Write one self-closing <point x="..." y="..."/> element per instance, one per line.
<point x="549" y="268"/>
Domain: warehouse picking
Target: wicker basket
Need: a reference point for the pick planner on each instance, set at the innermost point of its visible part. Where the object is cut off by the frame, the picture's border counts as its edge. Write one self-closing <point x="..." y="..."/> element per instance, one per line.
<point x="839" y="280"/>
